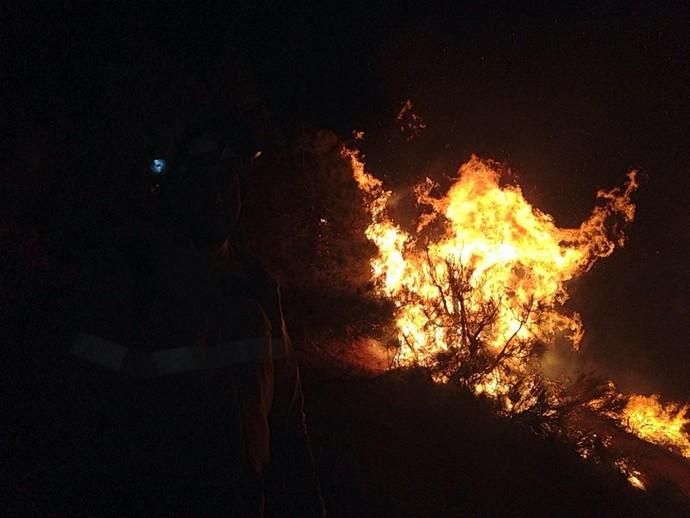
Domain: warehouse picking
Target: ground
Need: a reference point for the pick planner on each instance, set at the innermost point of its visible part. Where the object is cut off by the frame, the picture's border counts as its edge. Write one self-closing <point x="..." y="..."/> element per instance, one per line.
<point x="398" y="445"/>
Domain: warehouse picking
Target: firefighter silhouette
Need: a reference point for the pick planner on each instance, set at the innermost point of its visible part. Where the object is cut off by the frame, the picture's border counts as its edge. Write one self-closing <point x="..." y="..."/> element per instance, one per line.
<point x="180" y="389"/>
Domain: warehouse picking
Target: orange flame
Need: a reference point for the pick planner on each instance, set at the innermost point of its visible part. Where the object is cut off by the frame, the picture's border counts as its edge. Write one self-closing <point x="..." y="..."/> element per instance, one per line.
<point x="666" y="425"/>
<point x="514" y="256"/>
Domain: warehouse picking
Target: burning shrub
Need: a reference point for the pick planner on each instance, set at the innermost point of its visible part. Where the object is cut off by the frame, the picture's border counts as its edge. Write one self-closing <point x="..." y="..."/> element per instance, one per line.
<point x="665" y="424"/>
<point x="480" y="295"/>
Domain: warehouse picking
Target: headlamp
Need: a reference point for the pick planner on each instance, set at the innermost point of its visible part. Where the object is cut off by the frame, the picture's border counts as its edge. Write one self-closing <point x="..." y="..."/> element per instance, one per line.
<point x="158" y="166"/>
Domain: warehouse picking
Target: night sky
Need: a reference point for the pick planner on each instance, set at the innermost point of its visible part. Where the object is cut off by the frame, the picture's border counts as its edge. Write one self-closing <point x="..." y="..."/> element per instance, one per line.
<point x="570" y="98"/>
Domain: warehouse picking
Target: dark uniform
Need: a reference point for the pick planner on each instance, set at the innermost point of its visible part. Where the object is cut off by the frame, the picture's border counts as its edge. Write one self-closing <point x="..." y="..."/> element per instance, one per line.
<point x="178" y="392"/>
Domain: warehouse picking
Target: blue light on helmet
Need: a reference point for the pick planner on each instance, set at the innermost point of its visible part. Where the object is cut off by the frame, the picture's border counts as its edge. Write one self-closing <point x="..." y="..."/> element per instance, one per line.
<point x="158" y="166"/>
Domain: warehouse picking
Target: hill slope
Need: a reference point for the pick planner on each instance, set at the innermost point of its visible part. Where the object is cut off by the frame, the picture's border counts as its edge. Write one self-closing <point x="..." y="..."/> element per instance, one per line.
<point x="399" y="445"/>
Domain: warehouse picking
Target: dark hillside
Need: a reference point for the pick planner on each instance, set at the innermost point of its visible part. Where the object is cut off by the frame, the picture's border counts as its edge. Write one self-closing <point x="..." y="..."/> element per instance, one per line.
<point x="398" y="445"/>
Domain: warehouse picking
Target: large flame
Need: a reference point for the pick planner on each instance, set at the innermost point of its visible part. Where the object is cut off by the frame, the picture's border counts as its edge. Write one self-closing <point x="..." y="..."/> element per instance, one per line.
<point x="511" y="257"/>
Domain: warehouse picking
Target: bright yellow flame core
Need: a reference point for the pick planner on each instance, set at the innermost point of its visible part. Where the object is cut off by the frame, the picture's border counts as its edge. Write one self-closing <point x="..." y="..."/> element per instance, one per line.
<point x="516" y="254"/>
<point x="667" y="425"/>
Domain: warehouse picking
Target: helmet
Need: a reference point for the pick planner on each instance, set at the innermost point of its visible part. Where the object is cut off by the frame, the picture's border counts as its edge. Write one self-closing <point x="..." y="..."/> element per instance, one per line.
<point x="206" y="144"/>
<point x="199" y="183"/>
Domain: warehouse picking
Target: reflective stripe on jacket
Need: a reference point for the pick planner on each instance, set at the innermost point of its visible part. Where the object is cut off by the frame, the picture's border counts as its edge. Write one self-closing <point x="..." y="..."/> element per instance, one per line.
<point x="194" y="347"/>
<point x="119" y="358"/>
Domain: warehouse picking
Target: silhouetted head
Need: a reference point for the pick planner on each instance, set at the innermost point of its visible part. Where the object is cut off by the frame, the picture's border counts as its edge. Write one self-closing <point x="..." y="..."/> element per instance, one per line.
<point x="200" y="183"/>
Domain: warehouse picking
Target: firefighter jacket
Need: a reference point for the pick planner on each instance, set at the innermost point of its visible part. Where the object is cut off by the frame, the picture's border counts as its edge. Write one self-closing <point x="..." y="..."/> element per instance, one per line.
<point x="180" y="372"/>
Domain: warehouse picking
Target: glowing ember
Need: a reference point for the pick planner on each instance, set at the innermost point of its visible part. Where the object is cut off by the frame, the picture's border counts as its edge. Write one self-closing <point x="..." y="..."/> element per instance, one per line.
<point x="411" y="124"/>
<point x="485" y="288"/>
<point x="634" y="476"/>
